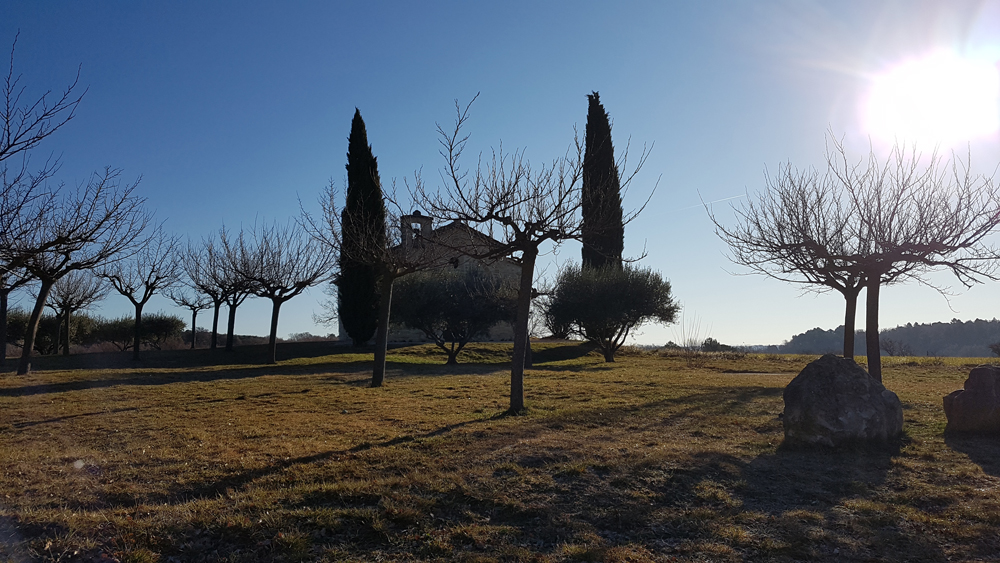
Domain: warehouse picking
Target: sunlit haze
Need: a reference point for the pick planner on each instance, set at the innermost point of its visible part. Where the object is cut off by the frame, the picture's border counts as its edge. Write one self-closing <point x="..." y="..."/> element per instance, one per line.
<point x="938" y="99"/>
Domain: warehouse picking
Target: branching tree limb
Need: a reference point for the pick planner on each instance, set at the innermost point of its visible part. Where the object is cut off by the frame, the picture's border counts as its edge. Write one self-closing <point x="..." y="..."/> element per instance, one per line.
<point x="151" y="269"/>
<point x="280" y="262"/>
<point x="97" y="223"/>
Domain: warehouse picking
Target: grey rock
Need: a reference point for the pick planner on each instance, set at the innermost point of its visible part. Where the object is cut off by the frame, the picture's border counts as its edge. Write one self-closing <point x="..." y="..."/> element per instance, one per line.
<point x="833" y="401"/>
<point x="976" y="408"/>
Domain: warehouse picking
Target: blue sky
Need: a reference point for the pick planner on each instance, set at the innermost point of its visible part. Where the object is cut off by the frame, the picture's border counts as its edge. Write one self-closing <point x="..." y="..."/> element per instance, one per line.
<point x="234" y="111"/>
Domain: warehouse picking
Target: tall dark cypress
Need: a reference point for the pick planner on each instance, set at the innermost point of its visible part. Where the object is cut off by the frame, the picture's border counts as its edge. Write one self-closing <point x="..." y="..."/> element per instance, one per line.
<point x="603" y="233"/>
<point x="363" y="238"/>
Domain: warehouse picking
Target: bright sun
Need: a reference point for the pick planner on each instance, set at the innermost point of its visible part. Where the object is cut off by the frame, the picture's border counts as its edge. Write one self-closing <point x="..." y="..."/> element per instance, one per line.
<point x="940" y="99"/>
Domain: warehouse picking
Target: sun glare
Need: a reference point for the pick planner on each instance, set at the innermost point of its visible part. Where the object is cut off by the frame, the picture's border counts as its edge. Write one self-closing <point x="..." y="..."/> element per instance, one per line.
<point x="940" y="99"/>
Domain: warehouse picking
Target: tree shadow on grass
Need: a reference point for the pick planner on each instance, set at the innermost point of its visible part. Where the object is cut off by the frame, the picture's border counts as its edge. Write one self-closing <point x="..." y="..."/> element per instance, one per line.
<point x="553" y="481"/>
<point x="982" y="449"/>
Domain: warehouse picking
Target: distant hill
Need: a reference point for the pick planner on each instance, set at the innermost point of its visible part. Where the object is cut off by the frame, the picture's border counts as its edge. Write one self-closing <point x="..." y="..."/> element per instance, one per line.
<point x="970" y="339"/>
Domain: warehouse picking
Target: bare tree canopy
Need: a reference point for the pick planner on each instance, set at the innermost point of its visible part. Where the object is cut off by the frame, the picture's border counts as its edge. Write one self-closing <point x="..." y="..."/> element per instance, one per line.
<point x="801" y="229"/>
<point x="192" y="301"/>
<point x="519" y="206"/>
<point x="918" y="214"/>
<point x="870" y="223"/>
<point x="198" y="263"/>
<point x="235" y="288"/>
<point x="76" y="291"/>
<point x="97" y="223"/>
<point x="387" y="255"/>
<point x="26" y="123"/>
<point x="152" y="268"/>
<point x="280" y="262"/>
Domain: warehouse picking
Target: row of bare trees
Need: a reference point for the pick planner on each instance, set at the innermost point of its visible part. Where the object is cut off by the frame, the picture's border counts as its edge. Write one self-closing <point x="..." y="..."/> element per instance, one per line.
<point x="867" y="224"/>
<point x="70" y="243"/>
<point x="271" y="261"/>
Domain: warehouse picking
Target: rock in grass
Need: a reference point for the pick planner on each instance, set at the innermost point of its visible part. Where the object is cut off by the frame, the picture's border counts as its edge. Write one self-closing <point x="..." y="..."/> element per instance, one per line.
<point x="976" y="408"/>
<point x="834" y="402"/>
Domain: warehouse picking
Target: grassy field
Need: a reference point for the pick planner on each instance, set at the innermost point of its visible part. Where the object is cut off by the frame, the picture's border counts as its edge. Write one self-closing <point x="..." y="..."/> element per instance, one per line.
<point x="192" y="456"/>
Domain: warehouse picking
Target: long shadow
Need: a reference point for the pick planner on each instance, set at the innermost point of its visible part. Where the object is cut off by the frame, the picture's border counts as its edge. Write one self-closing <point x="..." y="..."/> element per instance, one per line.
<point x="624" y="504"/>
<point x="396" y="370"/>
<point x="982" y="449"/>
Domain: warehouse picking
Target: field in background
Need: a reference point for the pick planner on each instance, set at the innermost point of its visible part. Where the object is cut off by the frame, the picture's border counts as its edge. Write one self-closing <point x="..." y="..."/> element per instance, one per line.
<point x="194" y="456"/>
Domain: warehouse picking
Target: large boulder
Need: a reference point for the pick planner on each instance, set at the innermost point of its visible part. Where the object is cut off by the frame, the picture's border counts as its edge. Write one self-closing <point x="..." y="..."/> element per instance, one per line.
<point x="976" y="408"/>
<point x="833" y="401"/>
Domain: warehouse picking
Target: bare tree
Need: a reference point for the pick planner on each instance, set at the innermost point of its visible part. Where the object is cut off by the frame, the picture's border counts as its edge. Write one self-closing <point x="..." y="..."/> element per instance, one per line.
<point x="387" y="254"/>
<point x="24" y="126"/>
<point x="76" y="291"/>
<point x="801" y="229"/>
<point x="869" y="224"/>
<point x="917" y="215"/>
<point x="197" y="265"/>
<point x="280" y="262"/>
<point x="98" y="222"/>
<point x="234" y="286"/>
<point x="520" y="207"/>
<point x="193" y="302"/>
<point x="151" y="269"/>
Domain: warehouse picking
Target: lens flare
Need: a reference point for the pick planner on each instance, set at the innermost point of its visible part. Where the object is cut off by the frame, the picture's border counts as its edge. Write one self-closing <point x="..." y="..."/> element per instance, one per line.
<point x="939" y="99"/>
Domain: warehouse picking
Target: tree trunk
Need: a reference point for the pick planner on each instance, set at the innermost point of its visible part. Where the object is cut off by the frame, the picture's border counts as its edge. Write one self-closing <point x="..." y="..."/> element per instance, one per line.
<point x="232" y="326"/>
<point x="609" y="354"/>
<point x="3" y="328"/>
<point x="215" y="326"/>
<point x="382" y="332"/>
<point x="137" y="334"/>
<point x="871" y="330"/>
<point x="194" y="326"/>
<point x="272" y="342"/>
<point x="850" y="314"/>
<point x="65" y="329"/>
<point x="24" y="366"/>
<point x="521" y="330"/>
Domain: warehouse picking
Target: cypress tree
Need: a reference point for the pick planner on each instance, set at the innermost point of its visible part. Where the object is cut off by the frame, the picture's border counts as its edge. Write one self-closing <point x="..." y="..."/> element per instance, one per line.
<point x="363" y="237"/>
<point x="603" y="233"/>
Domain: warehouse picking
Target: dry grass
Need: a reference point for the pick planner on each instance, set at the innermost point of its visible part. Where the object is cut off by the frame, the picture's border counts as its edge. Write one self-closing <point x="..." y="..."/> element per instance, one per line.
<point x="654" y="458"/>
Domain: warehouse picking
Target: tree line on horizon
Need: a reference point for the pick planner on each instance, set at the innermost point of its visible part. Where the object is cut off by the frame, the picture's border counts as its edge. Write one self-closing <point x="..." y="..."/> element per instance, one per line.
<point x="967" y="339"/>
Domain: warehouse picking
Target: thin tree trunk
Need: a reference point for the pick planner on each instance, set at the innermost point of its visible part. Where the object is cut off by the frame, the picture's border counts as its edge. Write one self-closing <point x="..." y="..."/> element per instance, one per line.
<point x="194" y="326"/>
<point x="215" y="326"/>
<point x="232" y="326"/>
<point x="871" y="330"/>
<point x="3" y="328"/>
<point x="272" y="342"/>
<point x="382" y="333"/>
<point x="850" y="314"/>
<point x="137" y="334"/>
<point x="65" y="331"/>
<point x="24" y="366"/>
<point x="521" y="330"/>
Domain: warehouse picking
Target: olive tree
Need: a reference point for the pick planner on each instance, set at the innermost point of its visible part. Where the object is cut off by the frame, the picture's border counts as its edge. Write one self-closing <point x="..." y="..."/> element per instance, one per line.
<point x="604" y="305"/>
<point x="452" y="306"/>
